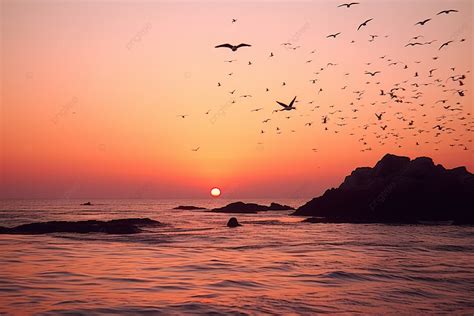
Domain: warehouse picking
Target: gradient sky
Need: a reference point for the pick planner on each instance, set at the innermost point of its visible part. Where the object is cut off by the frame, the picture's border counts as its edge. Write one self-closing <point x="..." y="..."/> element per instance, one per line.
<point x="91" y="92"/>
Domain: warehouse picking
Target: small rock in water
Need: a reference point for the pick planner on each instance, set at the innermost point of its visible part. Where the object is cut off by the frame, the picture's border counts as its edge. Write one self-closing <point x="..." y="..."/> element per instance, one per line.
<point x="87" y="203"/>
<point x="233" y="222"/>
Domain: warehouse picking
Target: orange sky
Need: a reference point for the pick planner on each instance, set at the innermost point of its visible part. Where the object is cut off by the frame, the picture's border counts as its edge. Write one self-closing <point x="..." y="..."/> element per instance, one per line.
<point x="91" y="93"/>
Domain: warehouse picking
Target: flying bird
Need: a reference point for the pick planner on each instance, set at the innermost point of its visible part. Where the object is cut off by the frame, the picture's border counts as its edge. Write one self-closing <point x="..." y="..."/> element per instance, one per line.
<point x="372" y="73"/>
<point x="423" y="22"/>
<point x="364" y="23"/>
<point x="289" y="106"/>
<point x="333" y="35"/>
<point x="447" y="11"/>
<point x="413" y="44"/>
<point x="445" y="44"/>
<point x="195" y="149"/>
<point x="233" y="47"/>
<point x="347" y="5"/>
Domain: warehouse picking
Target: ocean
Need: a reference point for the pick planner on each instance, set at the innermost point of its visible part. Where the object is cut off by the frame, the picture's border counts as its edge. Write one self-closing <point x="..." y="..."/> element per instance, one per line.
<point x="194" y="265"/>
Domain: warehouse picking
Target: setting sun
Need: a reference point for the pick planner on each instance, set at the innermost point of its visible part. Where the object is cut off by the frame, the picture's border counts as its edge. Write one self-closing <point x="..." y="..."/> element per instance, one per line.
<point x="340" y="131"/>
<point x="215" y="192"/>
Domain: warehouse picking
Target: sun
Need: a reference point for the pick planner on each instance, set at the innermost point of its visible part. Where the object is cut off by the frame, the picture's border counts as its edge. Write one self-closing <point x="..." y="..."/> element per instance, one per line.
<point x="215" y="192"/>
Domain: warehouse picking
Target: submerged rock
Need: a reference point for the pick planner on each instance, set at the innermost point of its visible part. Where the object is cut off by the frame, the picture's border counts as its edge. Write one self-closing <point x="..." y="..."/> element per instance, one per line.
<point x="397" y="190"/>
<point x="250" y="208"/>
<point x="233" y="222"/>
<point x="188" y="207"/>
<point x="116" y="226"/>
<point x="87" y="203"/>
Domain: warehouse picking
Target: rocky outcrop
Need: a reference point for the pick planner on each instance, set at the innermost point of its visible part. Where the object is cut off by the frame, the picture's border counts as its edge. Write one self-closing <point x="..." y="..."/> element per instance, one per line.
<point x="116" y="226"/>
<point x="233" y="222"/>
<point x="397" y="190"/>
<point x="188" y="208"/>
<point x="250" y="208"/>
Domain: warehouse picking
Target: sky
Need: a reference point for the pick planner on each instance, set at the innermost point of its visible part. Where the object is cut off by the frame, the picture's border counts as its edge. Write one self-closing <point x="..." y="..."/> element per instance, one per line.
<point x="91" y="93"/>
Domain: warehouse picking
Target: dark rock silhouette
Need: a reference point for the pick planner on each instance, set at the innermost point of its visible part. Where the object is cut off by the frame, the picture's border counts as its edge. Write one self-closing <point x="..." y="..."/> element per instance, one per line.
<point x="188" y="207"/>
<point x="278" y="207"/>
<point x="397" y="190"/>
<point x="87" y="203"/>
<point x="233" y="222"/>
<point x="250" y="208"/>
<point x="116" y="226"/>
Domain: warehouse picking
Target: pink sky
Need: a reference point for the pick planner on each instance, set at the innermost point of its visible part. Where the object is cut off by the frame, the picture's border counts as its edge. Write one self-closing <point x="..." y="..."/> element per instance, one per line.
<point x="91" y="93"/>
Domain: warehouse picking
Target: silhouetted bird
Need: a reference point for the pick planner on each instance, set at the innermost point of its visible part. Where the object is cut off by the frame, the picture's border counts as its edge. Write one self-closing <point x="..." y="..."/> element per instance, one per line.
<point x="413" y="44"/>
<point x="289" y="106"/>
<point x="364" y="23"/>
<point x="333" y="35"/>
<point x="347" y="5"/>
<point x="233" y="47"/>
<point x="372" y="73"/>
<point x="447" y="11"/>
<point x="423" y="22"/>
<point x="445" y="44"/>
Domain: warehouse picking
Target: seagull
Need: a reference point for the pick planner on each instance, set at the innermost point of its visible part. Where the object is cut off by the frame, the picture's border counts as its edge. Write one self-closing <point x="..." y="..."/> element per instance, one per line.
<point x="423" y="22"/>
<point x="379" y="116"/>
<point x="364" y="24"/>
<point x="289" y="106"/>
<point x="234" y="20"/>
<point x="348" y="5"/>
<point x="256" y="110"/>
<point x="182" y="115"/>
<point x="413" y="44"/>
<point x="233" y="47"/>
<point x="372" y="73"/>
<point x="195" y="149"/>
<point x="333" y="35"/>
<point x="445" y="44"/>
<point x="447" y="11"/>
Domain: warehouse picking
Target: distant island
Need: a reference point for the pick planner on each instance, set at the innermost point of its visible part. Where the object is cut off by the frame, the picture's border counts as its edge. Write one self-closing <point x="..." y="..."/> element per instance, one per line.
<point x="188" y="207"/>
<point x="397" y="190"/>
<point x="116" y="226"/>
<point x="250" y="208"/>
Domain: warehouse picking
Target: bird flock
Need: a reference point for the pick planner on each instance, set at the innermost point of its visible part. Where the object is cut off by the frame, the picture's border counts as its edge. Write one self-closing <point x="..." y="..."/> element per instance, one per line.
<point x="406" y="102"/>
